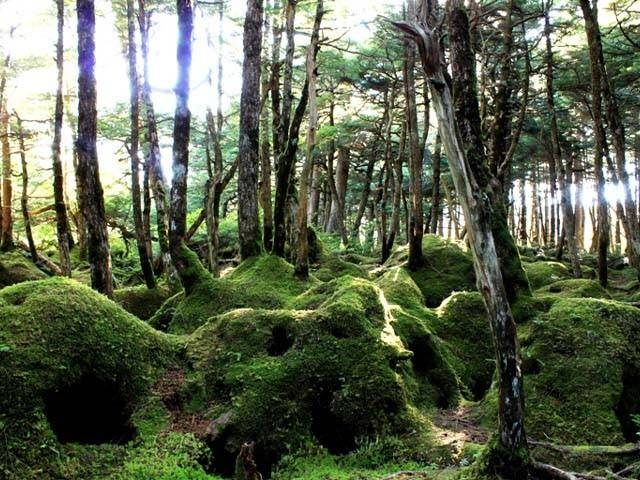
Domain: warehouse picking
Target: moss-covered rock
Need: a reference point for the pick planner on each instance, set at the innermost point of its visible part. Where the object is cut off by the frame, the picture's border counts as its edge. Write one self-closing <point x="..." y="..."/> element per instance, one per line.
<point x="581" y="362"/>
<point x="545" y="273"/>
<point x="332" y="266"/>
<point x="287" y="377"/>
<point x="462" y="323"/>
<point x="142" y="301"/>
<point x="265" y="281"/>
<point x="16" y="268"/>
<point x="447" y="267"/>
<point x="65" y="350"/>
<point x="574" y="288"/>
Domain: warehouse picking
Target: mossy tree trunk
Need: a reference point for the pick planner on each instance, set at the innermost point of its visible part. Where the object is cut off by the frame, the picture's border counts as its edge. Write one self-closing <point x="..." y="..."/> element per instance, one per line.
<point x="469" y="124"/>
<point x="63" y="229"/>
<point x="136" y="196"/>
<point x="511" y="455"/>
<point x="593" y="39"/>
<point x="248" y="149"/>
<point x="87" y="172"/>
<point x="302" y="250"/>
<point x="181" y="138"/>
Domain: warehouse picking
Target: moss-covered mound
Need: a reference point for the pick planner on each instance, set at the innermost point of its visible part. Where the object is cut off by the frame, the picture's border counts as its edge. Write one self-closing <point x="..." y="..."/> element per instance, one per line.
<point x="266" y="281"/>
<point x="332" y="266"/>
<point x="545" y="273"/>
<point x="284" y="378"/>
<point x="16" y="268"/>
<point x="462" y="323"/>
<point x="447" y="268"/>
<point x="142" y="301"/>
<point x="73" y="368"/>
<point x="581" y="362"/>
<point x="575" y="288"/>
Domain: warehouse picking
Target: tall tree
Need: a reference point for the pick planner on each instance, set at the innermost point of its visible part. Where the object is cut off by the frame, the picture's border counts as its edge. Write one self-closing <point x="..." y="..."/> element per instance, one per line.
<point x="24" y="198"/>
<point x="134" y="87"/>
<point x="87" y="172"/>
<point x="512" y="456"/>
<point x="181" y="137"/>
<point x="593" y="39"/>
<point x="302" y="252"/>
<point x="248" y="155"/>
<point x="62" y="221"/>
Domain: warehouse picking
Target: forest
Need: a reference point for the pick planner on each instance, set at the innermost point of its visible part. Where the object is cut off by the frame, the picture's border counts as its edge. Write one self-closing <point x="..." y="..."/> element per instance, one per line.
<point x="320" y="240"/>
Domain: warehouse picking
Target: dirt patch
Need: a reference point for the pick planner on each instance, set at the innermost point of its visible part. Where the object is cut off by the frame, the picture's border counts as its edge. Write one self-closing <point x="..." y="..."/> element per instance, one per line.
<point x="455" y="427"/>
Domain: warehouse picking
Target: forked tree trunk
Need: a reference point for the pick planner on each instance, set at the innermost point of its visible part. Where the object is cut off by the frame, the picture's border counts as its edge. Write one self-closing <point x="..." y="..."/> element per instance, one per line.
<point x="248" y="149"/>
<point x="512" y="456"/>
<point x="87" y="172"/>
<point x="63" y="230"/>
<point x="136" y="196"/>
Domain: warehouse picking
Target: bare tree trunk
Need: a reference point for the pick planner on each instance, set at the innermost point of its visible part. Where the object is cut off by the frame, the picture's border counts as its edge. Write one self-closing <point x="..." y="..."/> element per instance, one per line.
<point x="341" y="177"/>
<point x="511" y="457"/>
<point x="24" y="199"/>
<point x="593" y="39"/>
<point x="265" y="155"/>
<point x="302" y="253"/>
<point x="436" y="198"/>
<point x="248" y="228"/>
<point x="366" y="191"/>
<point x="87" y="172"/>
<point x="63" y="230"/>
<point x="141" y="242"/>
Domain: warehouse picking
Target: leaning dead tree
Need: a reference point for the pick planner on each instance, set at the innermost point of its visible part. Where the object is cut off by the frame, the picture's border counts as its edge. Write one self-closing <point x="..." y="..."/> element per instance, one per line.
<point x="512" y="453"/>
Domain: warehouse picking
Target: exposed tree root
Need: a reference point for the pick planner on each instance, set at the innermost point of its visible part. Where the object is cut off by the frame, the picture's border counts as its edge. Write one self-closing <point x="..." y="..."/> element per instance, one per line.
<point x="549" y="471"/>
<point x="624" y="450"/>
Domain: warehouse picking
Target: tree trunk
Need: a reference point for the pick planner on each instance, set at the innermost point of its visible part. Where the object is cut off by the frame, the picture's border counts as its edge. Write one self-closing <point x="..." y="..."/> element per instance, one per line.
<point x="568" y="218"/>
<point x="511" y="459"/>
<point x="416" y="228"/>
<point x="364" y="200"/>
<point x="181" y="137"/>
<point x="248" y="149"/>
<point x="341" y="177"/>
<point x="302" y="252"/>
<point x="265" y="157"/>
<point x="63" y="230"/>
<point x="24" y="199"/>
<point x="436" y="198"/>
<point x="87" y="173"/>
<point x="141" y="242"/>
<point x="593" y="39"/>
<point x="6" y="235"/>
<point x="156" y="175"/>
<point x="469" y="124"/>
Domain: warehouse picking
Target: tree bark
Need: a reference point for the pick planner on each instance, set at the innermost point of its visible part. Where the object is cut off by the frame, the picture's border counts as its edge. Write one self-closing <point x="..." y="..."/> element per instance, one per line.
<point x="134" y="116"/>
<point x="511" y="457"/>
<point x="24" y="199"/>
<point x="436" y="198"/>
<point x="248" y="229"/>
<point x="87" y="172"/>
<point x="593" y="40"/>
<point x="6" y="233"/>
<point x="416" y="228"/>
<point x="341" y="178"/>
<point x="156" y="175"/>
<point x="302" y="252"/>
<point x="63" y="229"/>
<point x="265" y="156"/>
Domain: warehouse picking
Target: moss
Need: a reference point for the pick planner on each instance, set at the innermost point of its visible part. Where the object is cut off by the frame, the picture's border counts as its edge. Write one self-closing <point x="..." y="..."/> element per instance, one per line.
<point x="54" y="335"/>
<point x="265" y="281"/>
<point x="327" y="376"/>
<point x="575" y="288"/>
<point x="447" y="268"/>
<point x="545" y="273"/>
<point x="142" y="301"/>
<point x="332" y="266"/>
<point x="462" y="323"/>
<point x="578" y="361"/>
<point x="16" y="268"/>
